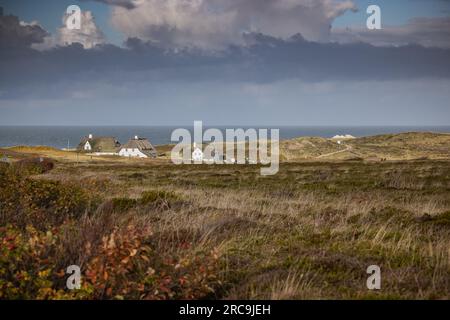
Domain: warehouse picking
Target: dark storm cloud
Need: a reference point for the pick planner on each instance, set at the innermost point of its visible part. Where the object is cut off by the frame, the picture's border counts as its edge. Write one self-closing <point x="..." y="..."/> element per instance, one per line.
<point x="267" y="60"/>
<point x="262" y="59"/>
<point x="14" y="33"/>
<point x="429" y="32"/>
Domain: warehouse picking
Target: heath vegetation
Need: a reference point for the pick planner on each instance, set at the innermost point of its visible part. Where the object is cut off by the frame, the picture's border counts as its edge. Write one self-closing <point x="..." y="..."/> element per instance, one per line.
<point x="153" y="230"/>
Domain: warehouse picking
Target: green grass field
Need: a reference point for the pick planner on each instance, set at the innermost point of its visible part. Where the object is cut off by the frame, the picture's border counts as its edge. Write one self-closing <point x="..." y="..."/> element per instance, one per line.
<point x="153" y="230"/>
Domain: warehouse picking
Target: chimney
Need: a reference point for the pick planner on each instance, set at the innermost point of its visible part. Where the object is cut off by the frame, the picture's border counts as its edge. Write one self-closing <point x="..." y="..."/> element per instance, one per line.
<point x="90" y="136"/>
<point x="136" y="137"/>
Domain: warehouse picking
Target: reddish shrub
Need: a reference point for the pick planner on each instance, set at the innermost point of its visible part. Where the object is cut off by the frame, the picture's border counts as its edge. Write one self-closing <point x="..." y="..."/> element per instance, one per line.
<point x="126" y="267"/>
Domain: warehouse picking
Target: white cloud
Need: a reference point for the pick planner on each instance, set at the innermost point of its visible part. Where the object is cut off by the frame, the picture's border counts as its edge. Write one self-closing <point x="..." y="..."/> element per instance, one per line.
<point x="214" y="24"/>
<point x="89" y="35"/>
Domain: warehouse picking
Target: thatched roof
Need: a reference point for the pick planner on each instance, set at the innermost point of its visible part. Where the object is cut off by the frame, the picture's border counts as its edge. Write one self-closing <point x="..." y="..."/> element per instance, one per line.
<point x="142" y="144"/>
<point x="100" y="144"/>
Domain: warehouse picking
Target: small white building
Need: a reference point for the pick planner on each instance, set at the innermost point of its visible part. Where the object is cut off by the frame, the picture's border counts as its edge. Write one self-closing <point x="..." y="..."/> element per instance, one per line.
<point x="98" y="145"/>
<point x="343" y="137"/>
<point x="197" y="155"/>
<point x="138" y="148"/>
<point x="5" y="159"/>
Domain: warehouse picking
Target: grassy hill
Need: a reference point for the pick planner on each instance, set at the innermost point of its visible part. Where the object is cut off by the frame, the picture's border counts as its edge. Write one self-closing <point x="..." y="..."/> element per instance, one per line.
<point x="308" y="148"/>
<point x="402" y="146"/>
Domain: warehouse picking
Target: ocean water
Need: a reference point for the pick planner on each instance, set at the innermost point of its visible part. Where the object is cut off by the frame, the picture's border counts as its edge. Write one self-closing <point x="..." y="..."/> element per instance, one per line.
<point x="69" y="136"/>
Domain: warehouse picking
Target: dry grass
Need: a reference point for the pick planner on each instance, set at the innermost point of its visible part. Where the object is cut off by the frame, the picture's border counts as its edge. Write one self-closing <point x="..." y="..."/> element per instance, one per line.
<point x="308" y="232"/>
<point x="403" y="146"/>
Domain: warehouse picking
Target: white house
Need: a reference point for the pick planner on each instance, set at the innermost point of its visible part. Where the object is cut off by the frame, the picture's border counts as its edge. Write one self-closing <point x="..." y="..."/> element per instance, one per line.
<point x="99" y="145"/>
<point x="138" y="148"/>
<point x="5" y="159"/>
<point x="197" y="154"/>
<point x="343" y="137"/>
<point x="87" y="146"/>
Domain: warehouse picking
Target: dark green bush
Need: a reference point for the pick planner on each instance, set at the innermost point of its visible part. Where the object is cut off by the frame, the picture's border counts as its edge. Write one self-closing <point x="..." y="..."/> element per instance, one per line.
<point x="123" y="204"/>
<point x="25" y="200"/>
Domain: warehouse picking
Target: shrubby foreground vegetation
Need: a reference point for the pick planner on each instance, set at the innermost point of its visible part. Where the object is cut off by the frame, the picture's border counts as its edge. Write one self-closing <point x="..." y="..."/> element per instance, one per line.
<point x="152" y="230"/>
<point x="48" y="225"/>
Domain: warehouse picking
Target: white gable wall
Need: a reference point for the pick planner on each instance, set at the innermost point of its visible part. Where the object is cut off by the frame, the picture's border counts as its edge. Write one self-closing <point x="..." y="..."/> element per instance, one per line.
<point x="87" y="146"/>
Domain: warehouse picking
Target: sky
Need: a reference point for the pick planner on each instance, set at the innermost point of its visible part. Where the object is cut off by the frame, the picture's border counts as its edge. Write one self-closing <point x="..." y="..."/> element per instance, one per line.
<point x="241" y="62"/>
